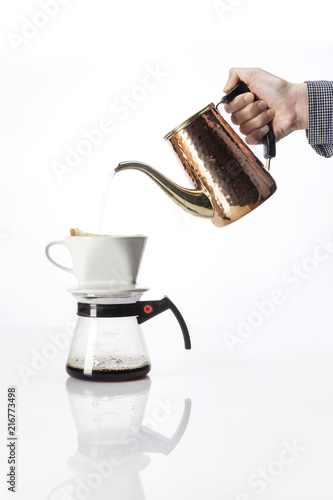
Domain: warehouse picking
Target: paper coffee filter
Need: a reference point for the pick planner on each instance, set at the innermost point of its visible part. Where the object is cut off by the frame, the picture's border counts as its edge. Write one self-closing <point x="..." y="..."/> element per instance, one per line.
<point x="77" y="232"/>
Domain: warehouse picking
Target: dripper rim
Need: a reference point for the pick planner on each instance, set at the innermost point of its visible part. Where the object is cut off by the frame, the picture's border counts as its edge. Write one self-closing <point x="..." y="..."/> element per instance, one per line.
<point x="108" y="236"/>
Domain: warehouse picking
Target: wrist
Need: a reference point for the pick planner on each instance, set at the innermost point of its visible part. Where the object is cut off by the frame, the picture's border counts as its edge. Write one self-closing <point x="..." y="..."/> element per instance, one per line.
<point x="301" y="106"/>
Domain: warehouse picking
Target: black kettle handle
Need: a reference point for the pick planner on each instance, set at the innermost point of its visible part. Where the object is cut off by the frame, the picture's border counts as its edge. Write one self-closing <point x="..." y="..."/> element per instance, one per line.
<point x="269" y="139"/>
<point x="148" y="309"/>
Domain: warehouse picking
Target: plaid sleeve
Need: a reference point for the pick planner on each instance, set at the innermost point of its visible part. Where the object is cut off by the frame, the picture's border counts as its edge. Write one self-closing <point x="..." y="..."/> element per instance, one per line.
<point x="320" y="131"/>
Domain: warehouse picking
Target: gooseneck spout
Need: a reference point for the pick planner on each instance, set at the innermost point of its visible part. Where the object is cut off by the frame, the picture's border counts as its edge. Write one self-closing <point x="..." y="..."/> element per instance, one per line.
<point x="194" y="201"/>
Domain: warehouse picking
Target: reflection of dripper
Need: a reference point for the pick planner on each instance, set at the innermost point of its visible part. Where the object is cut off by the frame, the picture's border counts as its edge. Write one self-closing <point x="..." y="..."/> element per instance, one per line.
<point x="112" y="440"/>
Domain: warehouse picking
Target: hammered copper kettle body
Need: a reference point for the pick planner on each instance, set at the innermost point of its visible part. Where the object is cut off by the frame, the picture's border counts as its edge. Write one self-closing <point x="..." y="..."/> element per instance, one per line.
<point x="229" y="179"/>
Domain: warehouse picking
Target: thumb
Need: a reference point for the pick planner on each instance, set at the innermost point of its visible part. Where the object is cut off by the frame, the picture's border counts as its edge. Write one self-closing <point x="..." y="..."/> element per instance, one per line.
<point x="236" y="74"/>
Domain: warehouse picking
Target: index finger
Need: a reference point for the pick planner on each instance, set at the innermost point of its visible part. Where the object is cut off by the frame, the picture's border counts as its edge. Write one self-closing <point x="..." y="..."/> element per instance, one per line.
<point x="239" y="102"/>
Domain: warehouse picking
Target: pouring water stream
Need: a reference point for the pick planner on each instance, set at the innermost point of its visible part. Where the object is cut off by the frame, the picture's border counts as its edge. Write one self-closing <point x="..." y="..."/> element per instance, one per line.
<point x="105" y="195"/>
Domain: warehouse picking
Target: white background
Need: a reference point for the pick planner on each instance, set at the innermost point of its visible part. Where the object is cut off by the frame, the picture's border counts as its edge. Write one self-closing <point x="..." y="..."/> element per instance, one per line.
<point x="67" y="79"/>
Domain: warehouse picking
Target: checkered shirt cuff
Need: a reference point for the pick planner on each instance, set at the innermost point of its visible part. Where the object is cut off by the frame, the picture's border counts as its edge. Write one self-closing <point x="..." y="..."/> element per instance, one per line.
<point x="320" y="131"/>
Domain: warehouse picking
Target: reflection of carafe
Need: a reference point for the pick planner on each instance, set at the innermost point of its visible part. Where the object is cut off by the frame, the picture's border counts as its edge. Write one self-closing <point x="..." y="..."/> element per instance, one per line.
<point x="112" y="441"/>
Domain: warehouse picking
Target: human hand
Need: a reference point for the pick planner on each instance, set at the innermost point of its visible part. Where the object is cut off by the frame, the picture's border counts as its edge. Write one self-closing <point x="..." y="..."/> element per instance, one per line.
<point x="284" y="102"/>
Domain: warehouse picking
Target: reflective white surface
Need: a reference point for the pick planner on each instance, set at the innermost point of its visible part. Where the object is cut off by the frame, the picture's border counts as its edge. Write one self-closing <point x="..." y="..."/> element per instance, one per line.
<point x="255" y="423"/>
<point x="247" y="413"/>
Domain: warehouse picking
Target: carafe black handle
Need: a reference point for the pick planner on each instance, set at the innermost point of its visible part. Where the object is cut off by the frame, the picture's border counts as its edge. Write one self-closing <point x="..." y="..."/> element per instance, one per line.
<point x="148" y="309"/>
<point x="269" y="139"/>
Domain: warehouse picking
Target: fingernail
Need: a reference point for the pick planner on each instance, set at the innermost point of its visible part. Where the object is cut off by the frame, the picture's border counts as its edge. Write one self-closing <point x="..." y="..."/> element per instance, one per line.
<point x="270" y="113"/>
<point x="227" y="108"/>
<point x="262" y="105"/>
<point x="248" y="97"/>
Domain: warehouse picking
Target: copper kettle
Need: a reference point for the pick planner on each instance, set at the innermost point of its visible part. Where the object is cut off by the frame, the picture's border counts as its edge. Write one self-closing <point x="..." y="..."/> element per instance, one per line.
<point x="229" y="179"/>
